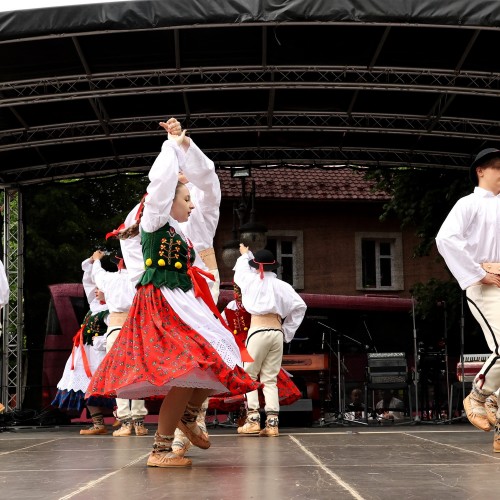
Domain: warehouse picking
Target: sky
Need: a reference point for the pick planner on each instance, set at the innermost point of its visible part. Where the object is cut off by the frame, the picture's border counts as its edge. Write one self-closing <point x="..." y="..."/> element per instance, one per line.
<point x="8" y="5"/>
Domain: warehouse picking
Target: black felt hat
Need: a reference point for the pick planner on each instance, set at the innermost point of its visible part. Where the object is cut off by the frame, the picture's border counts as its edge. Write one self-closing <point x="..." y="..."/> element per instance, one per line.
<point x="481" y="158"/>
<point x="264" y="260"/>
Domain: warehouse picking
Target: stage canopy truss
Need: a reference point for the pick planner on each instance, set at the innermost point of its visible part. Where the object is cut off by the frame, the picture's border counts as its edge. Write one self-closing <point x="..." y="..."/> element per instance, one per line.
<point x="301" y="83"/>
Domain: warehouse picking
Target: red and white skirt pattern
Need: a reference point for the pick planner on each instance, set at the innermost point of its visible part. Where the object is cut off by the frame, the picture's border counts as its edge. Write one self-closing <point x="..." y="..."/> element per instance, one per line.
<point x="156" y="350"/>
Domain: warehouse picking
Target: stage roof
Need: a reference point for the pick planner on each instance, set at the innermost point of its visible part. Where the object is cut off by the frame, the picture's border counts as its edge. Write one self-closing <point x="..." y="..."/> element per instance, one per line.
<point x="260" y="83"/>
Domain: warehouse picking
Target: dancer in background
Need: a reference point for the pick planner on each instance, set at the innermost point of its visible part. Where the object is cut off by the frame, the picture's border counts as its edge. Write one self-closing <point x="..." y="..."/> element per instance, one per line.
<point x="85" y="357"/>
<point x="4" y="286"/>
<point x="277" y="310"/>
<point x="469" y="242"/>
<point x="174" y="343"/>
<point x="238" y="319"/>
<point x="119" y="292"/>
<point x="4" y="299"/>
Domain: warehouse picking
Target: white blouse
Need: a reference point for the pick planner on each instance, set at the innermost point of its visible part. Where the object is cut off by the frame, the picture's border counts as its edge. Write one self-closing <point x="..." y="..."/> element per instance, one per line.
<point x="470" y="236"/>
<point x="161" y="191"/>
<point x="269" y="295"/>
<point x="118" y="290"/>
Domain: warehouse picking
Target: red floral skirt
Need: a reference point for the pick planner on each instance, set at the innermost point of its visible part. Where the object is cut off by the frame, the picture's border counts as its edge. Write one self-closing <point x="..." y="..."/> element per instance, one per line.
<point x="288" y="393"/>
<point x="156" y="351"/>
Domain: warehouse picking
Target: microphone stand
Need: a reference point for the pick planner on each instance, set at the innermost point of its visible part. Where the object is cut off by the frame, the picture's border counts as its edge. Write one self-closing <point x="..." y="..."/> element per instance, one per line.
<point x="415" y="361"/>
<point x="341" y="368"/>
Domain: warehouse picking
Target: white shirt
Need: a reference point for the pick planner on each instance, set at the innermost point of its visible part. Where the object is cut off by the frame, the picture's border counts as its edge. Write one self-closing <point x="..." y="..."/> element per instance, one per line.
<point x="269" y="295"/>
<point x="4" y="286"/>
<point x="200" y="229"/>
<point x="90" y="287"/>
<point x="118" y="290"/>
<point x="470" y="235"/>
<point x="132" y="250"/>
<point x="395" y="403"/>
<point x="206" y="196"/>
<point x="192" y="310"/>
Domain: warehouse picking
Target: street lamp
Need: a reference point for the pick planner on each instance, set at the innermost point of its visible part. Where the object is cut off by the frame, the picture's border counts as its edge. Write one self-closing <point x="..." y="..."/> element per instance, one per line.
<point x="252" y="234"/>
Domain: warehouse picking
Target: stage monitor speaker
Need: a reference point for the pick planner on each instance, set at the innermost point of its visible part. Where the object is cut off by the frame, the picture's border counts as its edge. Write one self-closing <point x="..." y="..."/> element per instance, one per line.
<point x="387" y="368"/>
<point x="298" y="414"/>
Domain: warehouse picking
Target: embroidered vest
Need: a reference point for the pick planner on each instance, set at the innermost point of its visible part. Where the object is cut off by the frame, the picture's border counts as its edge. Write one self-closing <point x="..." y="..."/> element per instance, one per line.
<point x="238" y="321"/>
<point x="166" y="257"/>
<point x="94" y="326"/>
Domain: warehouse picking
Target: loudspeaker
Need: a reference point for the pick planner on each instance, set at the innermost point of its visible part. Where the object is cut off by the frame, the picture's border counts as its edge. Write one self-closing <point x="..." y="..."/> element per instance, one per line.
<point x="387" y="368"/>
<point x="298" y="414"/>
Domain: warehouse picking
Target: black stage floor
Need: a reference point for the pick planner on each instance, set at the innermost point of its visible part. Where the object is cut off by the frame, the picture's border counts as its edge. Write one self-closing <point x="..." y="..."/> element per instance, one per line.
<point x="415" y="461"/>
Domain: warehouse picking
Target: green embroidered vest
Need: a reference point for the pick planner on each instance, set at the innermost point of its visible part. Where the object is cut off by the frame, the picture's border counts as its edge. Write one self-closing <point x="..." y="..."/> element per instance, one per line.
<point x="94" y="325"/>
<point x="166" y="257"/>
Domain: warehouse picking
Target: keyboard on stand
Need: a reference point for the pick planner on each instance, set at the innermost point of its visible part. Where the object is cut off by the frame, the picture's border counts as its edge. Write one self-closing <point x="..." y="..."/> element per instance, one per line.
<point x="472" y="365"/>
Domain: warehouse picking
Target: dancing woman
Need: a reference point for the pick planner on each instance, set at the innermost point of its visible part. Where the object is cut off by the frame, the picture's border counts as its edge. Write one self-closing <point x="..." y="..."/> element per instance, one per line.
<point x="172" y="343"/>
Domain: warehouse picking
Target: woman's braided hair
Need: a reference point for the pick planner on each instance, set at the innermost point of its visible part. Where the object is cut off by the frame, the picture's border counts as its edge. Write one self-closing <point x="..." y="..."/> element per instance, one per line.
<point x="133" y="230"/>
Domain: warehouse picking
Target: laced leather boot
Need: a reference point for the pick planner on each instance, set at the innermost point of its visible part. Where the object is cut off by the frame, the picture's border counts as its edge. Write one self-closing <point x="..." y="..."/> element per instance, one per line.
<point x="162" y="455"/>
<point x="251" y="425"/>
<point x="139" y="428"/>
<point x="97" y="426"/>
<point x="125" y="429"/>
<point x="496" y="437"/>
<point x="491" y="407"/>
<point x="189" y="426"/>
<point x="475" y="410"/>
<point x="181" y="443"/>
<point x="271" y="428"/>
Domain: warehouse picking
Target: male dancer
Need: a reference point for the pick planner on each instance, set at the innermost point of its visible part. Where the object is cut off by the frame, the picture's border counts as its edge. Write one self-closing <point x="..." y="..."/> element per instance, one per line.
<point x="277" y="311"/>
<point x="469" y="241"/>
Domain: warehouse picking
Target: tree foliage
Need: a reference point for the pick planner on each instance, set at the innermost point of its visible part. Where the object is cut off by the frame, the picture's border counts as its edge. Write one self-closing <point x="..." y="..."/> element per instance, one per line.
<point x="421" y="198"/>
<point x="64" y="223"/>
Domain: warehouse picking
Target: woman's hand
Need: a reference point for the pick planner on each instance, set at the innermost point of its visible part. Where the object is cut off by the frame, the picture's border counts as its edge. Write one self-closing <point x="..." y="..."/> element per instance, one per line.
<point x="172" y="126"/>
<point x="97" y="255"/>
<point x="175" y="132"/>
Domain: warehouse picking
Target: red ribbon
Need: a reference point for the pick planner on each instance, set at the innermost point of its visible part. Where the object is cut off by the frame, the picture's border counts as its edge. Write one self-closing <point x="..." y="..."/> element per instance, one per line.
<point x="261" y="270"/>
<point x="201" y="289"/>
<point x="78" y="342"/>
<point x="115" y="231"/>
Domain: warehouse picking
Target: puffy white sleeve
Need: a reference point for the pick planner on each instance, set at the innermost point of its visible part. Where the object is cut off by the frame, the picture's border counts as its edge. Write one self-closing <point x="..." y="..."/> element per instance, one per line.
<point x="244" y="276"/>
<point x="453" y="246"/>
<point x="88" y="281"/>
<point x="205" y="191"/>
<point x="4" y="286"/>
<point x="163" y="178"/>
<point x="132" y="250"/>
<point x="100" y="276"/>
<point x="294" y="310"/>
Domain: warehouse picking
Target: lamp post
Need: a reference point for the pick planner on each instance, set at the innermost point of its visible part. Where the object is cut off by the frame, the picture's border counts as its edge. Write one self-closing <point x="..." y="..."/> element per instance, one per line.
<point x="231" y="249"/>
<point x="252" y="234"/>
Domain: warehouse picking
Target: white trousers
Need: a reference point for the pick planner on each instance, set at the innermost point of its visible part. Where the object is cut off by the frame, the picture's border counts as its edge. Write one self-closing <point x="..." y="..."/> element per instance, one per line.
<point x="484" y="303"/>
<point x="125" y="408"/>
<point x="266" y="348"/>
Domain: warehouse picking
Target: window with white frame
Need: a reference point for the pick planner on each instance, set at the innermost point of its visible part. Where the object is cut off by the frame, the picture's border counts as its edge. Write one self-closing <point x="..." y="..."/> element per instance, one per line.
<point x="379" y="261"/>
<point x="288" y="248"/>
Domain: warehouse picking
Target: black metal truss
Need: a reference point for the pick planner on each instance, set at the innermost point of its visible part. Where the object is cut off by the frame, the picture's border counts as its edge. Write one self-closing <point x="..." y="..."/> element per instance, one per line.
<point x="244" y="78"/>
<point x="230" y="157"/>
<point x="256" y="121"/>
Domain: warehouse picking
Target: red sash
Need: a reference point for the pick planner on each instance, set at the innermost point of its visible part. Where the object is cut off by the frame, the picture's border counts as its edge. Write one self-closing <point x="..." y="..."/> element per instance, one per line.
<point x="201" y="289"/>
<point x="78" y="342"/>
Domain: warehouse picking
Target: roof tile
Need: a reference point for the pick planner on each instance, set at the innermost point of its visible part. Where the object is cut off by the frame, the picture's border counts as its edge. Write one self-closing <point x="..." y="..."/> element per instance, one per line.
<point x="330" y="183"/>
